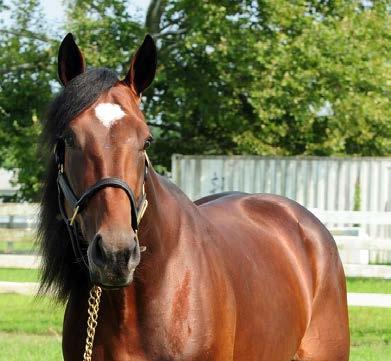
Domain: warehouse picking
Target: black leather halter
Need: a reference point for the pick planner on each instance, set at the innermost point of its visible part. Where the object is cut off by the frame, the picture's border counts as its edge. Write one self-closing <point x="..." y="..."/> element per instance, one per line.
<point x="65" y="192"/>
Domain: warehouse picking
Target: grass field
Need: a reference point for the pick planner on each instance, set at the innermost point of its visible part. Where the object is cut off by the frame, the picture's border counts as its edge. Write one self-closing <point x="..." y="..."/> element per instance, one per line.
<point x="369" y="285"/>
<point x="19" y="275"/>
<point x="25" y="347"/>
<point x="23" y="241"/>
<point x="31" y="327"/>
<point x="370" y="330"/>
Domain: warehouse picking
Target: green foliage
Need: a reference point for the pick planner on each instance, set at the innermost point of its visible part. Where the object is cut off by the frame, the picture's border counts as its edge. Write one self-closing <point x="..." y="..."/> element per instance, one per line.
<point x="274" y="77"/>
<point x="106" y="32"/>
<point x="254" y="77"/>
<point x="25" y="91"/>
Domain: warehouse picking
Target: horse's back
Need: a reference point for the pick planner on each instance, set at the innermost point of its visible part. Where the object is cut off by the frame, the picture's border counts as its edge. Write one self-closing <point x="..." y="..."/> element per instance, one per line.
<point x="220" y="208"/>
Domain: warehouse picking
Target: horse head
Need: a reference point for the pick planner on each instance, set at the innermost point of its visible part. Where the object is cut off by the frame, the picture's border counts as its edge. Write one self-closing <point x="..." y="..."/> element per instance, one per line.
<point x="102" y="161"/>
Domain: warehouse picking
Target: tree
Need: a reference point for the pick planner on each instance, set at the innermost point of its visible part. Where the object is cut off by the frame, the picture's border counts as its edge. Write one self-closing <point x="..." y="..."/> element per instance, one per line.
<point x="28" y="65"/>
<point x="254" y="77"/>
<point x="272" y="77"/>
<point x="26" y="70"/>
<point x="106" y="32"/>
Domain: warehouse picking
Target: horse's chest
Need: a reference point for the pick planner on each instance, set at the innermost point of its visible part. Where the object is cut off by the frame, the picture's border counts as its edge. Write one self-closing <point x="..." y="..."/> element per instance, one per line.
<point x="175" y="324"/>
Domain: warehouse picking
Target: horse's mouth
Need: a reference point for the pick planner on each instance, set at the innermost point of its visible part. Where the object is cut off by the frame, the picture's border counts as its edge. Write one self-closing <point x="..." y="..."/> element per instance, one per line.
<point x="113" y="288"/>
<point x="111" y="282"/>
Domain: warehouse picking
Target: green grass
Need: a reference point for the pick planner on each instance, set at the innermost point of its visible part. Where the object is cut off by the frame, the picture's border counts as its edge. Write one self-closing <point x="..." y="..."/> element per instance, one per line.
<point x="31" y="327"/>
<point x="370" y="330"/>
<point x="27" y="314"/>
<point x="19" y="275"/>
<point x="23" y="242"/>
<point x="20" y="247"/>
<point x="25" y="347"/>
<point x="369" y="285"/>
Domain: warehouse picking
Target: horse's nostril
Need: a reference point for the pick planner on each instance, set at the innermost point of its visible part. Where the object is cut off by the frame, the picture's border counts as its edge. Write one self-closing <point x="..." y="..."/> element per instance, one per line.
<point x="114" y="253"/>
<point x="131" y="251"/>
<point x="127" y="253"/>
<point x="99" y="253"/>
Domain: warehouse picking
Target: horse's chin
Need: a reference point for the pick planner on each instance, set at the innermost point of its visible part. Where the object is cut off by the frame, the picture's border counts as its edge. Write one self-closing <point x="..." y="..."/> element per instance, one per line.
<point x="111" y="282"/>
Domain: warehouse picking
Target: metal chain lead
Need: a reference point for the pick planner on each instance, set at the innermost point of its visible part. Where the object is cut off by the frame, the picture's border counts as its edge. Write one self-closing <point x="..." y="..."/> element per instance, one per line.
<point x="93" y="309"/>
<point x="94" y="301"/>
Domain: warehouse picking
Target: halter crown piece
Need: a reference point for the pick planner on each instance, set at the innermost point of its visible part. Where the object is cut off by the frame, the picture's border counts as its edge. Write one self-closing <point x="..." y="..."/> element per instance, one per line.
<point x="65" y="192"/>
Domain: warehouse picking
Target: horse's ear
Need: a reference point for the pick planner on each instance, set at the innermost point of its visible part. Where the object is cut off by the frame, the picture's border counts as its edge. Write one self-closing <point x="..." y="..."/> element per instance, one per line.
<point x="143" y="66"/>
<point x="70" y="60"/>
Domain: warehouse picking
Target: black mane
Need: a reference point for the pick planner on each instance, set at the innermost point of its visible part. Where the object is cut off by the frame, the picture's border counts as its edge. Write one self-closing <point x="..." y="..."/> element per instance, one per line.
<point x="61" y="271"/>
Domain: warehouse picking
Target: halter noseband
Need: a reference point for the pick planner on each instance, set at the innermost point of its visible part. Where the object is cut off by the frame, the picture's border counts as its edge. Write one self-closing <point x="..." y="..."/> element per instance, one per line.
<point x="66" y="192"/>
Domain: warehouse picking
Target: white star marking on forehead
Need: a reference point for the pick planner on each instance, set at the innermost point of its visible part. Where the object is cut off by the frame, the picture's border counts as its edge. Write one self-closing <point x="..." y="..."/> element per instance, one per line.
<point x="109" y="113"/>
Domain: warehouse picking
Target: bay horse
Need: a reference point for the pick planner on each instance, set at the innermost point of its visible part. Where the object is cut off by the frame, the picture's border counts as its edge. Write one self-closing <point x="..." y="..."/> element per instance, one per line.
<point x="232" y="276"/>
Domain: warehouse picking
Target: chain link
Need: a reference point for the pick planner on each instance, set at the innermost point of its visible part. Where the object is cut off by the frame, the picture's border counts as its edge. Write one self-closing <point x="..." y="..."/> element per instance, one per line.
<point x="93" y="309"/>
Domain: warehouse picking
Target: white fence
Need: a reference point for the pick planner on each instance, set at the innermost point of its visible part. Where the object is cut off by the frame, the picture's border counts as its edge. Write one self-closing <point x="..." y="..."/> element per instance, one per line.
<point x="315" y="182"/>
<point x="7" y="188"/>
<point x="354" y="244"/>
<point x="18" y="223"/>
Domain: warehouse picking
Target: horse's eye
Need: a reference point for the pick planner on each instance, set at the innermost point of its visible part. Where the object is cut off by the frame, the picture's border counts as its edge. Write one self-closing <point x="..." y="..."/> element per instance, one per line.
<point x="69" y="139"/>
<point x="147" y="143"/>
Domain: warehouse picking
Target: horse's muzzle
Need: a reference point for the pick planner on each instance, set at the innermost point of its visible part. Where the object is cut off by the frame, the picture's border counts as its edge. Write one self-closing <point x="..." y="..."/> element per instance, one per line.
<point x="112" y="264"/>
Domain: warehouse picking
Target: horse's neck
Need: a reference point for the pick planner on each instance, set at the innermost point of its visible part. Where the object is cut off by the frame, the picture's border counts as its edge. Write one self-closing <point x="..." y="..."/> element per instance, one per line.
<point x="168" y="211"/>
<point x="168" y="218"/>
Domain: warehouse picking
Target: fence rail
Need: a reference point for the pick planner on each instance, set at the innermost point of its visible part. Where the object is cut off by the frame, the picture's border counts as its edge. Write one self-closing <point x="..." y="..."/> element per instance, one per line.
<point x="18" y="222"/>
<point x="353" y="217"/>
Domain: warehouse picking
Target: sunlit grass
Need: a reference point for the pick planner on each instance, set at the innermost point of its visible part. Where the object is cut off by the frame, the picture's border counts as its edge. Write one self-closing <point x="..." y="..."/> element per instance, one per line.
<point x="370" y="330"/>
<point x="27" y="347"/>
<point x="368" y="285"/>
<point x="27" y="314"/>
<point x="31" y="327"/>
<point x="19" y="275"/>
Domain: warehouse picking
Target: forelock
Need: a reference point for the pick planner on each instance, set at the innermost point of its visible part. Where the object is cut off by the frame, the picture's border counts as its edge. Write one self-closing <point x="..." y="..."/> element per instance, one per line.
<point x="78" y="95"/>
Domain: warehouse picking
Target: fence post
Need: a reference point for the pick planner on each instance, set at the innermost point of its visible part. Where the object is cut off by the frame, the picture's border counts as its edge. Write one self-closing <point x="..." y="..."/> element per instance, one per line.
<point x="9" y="243"/>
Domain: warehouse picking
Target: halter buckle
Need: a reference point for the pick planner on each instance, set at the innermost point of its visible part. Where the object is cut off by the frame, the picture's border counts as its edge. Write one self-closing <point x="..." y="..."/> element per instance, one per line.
<point x="142" y="248"/>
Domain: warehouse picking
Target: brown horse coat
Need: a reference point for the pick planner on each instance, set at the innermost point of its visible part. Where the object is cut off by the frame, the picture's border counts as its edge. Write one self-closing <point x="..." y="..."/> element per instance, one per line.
<point x="239" y="277"/>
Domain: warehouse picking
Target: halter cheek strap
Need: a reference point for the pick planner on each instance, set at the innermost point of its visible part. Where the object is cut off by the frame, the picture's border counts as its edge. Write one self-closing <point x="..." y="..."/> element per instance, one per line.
<point x="65" y="192"/>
